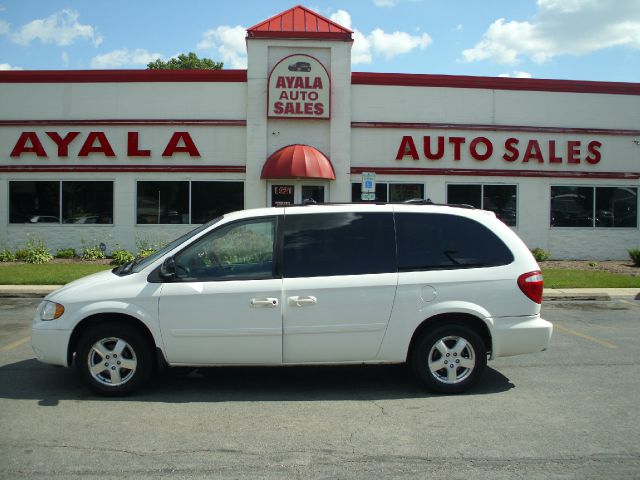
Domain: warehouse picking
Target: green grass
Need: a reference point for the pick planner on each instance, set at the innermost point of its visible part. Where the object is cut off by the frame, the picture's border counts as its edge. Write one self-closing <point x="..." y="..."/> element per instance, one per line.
<point x="47" y="274"/>
<point x="59" y="274"/>
<point x="561" y="278"/>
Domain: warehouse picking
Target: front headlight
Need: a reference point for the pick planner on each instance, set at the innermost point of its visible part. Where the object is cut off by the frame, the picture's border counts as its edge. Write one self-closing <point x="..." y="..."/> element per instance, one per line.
<point x="51" y="310"/>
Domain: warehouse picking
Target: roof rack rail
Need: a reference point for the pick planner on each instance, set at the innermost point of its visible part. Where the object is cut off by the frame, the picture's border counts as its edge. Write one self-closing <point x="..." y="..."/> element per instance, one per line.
<point x="420" y="201"/>
<point x="413" y="201"/>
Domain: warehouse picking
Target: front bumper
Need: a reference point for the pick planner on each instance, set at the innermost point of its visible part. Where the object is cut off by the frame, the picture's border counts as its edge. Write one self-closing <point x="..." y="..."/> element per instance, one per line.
<point x="518" y="335"/>
<point x="50" y="344"/>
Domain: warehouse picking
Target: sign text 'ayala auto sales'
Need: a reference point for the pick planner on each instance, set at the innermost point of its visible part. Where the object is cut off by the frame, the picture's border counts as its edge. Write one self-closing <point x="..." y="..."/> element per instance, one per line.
<point x="299" y="88"/>
<point x="511" y="150"/>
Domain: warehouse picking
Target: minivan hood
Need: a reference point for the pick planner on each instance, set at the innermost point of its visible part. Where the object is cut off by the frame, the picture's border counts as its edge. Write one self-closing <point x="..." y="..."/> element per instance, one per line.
<point x="77" y="287"/>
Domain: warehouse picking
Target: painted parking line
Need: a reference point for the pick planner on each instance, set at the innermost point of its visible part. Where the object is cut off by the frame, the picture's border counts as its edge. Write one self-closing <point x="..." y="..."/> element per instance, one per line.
<point x="576" y="333"/>
<point x="15" y="344"/>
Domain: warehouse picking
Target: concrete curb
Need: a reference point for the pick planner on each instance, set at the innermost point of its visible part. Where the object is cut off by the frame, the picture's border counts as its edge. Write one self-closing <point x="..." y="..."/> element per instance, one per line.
<point x="550" y="294"/>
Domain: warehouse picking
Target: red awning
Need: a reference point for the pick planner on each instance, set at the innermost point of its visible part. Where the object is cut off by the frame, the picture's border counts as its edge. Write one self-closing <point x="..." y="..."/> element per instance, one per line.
<point x="298" y="161"/>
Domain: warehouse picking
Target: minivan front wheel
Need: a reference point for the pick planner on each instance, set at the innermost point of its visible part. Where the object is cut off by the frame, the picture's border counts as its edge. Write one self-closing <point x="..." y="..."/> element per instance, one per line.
<point x="449" y="359"/>
<point x="113" y="359"/>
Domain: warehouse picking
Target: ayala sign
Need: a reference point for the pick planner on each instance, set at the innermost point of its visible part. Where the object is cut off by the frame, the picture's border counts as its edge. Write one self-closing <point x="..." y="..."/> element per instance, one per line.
<point x="299" y="87"/>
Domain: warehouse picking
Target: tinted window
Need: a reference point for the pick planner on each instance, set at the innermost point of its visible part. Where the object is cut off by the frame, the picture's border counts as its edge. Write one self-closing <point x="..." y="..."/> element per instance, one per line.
<point x="430" y="241"/>
<point x="326" y="244"/>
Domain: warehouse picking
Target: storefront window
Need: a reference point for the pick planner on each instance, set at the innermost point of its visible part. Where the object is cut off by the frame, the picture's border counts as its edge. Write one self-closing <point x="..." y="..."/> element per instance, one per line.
<point x="168" y="202"/>
<point x="34" y="202"/>
<point x="500" y="199"/>
<point x="87" y="202"/>
<point x="391" y="192"/>
<point x="212" y="199"/>
<point x="594" y="207"/>
<point x="40" y="202"/>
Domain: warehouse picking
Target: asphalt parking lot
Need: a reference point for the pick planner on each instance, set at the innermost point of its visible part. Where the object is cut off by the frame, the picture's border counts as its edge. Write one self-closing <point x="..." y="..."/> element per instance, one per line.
<point x="569" y="412"/>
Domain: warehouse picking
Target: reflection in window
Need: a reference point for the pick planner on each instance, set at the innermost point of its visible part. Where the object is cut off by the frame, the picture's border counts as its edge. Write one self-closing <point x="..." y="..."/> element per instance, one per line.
<point x="500" y="199"/>
<point x="34" y="202"/>
<point x="87" y="202"/>
<point x="76" y="202"/>
<point x="607" y="207"/>
<point x="212" y="199"/>
<point x="239" y="251"/>
<point x="168" y="202"/>
<point x="338" y="244"/>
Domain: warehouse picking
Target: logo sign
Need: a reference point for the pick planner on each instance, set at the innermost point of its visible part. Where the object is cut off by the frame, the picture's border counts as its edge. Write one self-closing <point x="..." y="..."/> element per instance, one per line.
<point x="299" y="87"/>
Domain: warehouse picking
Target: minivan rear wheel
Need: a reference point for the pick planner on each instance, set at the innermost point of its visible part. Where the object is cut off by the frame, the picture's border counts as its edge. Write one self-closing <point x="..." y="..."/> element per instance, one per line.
<point x="113" y="359"/>
<point x="449" y="358"/>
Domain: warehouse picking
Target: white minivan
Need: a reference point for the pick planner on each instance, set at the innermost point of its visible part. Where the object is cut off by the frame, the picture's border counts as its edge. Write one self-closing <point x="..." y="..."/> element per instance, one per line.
<point x="439" y="287"/>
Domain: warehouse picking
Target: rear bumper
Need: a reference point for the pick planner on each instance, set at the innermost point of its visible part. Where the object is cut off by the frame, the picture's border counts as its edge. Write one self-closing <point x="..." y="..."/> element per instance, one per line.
<point x="518" y="335"/>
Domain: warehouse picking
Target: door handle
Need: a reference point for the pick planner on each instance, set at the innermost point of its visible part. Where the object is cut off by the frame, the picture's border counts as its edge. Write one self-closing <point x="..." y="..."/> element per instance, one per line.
<point x="264" y="302"/>
<point x="302" y="301"/>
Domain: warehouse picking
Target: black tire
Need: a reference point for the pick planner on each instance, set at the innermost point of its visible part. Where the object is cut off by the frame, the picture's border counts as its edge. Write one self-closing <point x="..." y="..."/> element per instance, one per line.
<point x="113" y="359"/>
<point x="464" y="363"/>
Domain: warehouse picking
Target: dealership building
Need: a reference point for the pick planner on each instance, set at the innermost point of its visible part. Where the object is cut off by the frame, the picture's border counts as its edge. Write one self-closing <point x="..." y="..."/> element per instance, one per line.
<point x="131" y="158"/>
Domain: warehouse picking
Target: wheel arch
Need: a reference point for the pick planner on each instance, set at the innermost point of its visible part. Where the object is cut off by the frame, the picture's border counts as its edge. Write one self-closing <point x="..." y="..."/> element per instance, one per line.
<point x="454" y="318"/>
<point x="117" y="318"/>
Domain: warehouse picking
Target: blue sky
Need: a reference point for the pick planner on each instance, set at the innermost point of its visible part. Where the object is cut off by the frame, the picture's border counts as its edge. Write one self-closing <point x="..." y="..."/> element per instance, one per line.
<point x="562" y="39"/>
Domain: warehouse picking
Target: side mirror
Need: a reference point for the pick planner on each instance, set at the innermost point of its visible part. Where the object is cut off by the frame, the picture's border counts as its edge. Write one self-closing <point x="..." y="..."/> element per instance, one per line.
<point x="168" y="268"/>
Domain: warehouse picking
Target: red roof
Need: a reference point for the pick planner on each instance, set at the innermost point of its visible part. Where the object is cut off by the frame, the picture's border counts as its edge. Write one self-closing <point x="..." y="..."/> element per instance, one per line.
<point x="299" y="22"/>
<point x="298" y="161"/>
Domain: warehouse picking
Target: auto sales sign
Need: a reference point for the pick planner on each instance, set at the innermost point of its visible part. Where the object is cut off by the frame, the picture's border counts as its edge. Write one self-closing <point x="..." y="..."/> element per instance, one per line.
<point x="299" y="87"/>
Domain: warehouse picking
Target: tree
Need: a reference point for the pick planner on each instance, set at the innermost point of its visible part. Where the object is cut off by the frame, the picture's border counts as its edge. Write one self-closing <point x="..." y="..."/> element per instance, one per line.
<point x="185" y="62"/>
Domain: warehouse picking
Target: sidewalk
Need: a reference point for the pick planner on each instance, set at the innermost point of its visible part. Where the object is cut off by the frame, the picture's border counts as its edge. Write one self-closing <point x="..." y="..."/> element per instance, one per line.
<point x="550" y="294"/>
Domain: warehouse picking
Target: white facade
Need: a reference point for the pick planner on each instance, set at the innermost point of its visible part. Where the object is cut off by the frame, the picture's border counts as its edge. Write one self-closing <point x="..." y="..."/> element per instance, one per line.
<point x="584" y="134"/>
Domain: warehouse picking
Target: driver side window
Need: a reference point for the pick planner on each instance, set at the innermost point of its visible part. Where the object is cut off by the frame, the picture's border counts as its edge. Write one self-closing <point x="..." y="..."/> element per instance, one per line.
<point x="239" y="251"/>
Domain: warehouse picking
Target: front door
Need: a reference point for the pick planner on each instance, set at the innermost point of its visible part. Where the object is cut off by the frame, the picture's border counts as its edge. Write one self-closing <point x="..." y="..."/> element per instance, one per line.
<point x="286" y="193"/>
<point x="224" y="306"/>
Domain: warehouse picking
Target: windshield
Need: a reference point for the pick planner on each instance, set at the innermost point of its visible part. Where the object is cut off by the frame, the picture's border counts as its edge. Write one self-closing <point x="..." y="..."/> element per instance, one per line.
<point x="141" y="264"/>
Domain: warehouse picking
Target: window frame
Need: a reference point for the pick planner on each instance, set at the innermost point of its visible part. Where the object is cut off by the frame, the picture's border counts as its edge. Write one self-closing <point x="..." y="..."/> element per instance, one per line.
<point x="490" y="184"/>
<point x="189" y="198"/>
<point x="60" y="221"/>
<point x="594" y="189"/>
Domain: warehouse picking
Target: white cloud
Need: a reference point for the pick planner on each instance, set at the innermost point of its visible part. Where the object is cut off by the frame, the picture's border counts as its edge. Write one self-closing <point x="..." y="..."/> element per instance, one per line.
<point x="124" y="58"/>
<point x="561" y="27"/>
<point x="385" y="3"/>
<point x="229" y="43"/>
<point x="61" y="28"/>
<point x="6" y="66"/>
<point x="459" y="28"/>
<point x="516" y="74"/>
<point x="65" y="59"/>
<point x="393" y="44"/>
<point x="379" y="42"/>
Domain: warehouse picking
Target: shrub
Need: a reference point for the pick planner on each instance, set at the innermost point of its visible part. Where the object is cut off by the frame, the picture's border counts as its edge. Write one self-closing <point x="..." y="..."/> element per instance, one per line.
<point x="145" y="252"/>
<point x="66" y="253"/>
<point x="540" y="254"/>
<point x="7" y="255"/>
<point x="120" y="257"/>
<point x="36" y="251"/>
<point x="92" y="253"/>
<point x="634" y="253"/>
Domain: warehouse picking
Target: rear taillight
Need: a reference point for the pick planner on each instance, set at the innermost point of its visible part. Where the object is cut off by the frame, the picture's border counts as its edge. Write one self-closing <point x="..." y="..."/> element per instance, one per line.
<point x="531" y="285"/>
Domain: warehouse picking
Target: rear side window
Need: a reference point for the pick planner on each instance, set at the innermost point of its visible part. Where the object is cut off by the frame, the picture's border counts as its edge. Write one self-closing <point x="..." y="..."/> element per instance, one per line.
<point x="430" y="241"/>
<point x="326" y="244"/>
